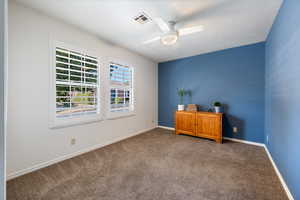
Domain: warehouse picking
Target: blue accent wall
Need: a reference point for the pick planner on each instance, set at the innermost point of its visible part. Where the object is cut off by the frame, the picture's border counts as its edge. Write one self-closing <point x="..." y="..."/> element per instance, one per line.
<point x="283" y="94"/>
<point x="236" y="77"/>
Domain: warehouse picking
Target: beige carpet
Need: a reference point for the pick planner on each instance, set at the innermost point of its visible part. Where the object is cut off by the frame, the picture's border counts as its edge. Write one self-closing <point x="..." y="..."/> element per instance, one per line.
<point x="156" y="165"/>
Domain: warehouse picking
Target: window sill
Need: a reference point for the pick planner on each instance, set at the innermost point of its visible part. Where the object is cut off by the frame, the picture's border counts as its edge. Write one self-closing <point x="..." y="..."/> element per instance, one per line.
<point x="114" y="116"/>
<point x="64" y="123"/>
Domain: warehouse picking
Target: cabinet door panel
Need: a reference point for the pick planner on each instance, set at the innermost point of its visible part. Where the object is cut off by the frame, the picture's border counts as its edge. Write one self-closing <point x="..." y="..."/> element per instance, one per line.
<point x="208" y="125"/>
<point x="185" y="122"/>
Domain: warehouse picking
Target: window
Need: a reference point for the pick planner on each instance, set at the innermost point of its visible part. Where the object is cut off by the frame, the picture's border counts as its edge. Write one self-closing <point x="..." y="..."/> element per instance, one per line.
<point x="76" y="84"/>
<point x="121" y="90"/>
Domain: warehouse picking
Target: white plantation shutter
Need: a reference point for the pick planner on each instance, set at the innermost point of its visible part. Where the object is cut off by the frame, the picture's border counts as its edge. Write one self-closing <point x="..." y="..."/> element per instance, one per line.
<point x="77" y="84"/>
<point x="121" y="91"/>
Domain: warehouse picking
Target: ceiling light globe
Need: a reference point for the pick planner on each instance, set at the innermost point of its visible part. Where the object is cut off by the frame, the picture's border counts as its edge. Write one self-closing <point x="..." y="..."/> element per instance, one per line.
<point x="169" y="39"/>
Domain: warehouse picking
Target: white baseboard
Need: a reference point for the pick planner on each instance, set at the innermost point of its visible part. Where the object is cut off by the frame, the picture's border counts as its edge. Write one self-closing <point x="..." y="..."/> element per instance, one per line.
<point x="284" y="185"/>
<point x="166" y="127"/>
<point x="65" y="157"/>
<point x="244" y="141"/>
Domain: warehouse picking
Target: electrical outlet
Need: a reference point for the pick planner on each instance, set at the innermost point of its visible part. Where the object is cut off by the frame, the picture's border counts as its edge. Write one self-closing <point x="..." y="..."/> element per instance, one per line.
<point x="235" y="129"/>
<point x="73" y="141"/>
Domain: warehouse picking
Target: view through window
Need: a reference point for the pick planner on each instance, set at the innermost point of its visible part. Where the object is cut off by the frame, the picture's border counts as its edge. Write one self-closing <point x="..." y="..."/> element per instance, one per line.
<point x="121" y="92"/>
<point x="77" y="84"/>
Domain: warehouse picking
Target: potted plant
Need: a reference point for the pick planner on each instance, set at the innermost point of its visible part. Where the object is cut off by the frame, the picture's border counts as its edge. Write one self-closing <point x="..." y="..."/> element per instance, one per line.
<point x="181" y="93"/>
<point x="217" y="106"/>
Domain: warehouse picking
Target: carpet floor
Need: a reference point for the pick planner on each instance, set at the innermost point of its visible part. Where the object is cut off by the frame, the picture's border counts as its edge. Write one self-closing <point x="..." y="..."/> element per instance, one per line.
<point x="156" y="165"/>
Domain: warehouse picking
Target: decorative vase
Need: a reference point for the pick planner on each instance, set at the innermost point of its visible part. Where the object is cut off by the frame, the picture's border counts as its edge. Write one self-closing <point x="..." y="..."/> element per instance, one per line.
<point x="180" y="107"/>
<point x="217" y="109"/>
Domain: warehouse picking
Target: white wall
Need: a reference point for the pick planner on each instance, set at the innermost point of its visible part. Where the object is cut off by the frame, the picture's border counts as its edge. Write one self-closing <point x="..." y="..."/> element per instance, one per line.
<point x="3" y="29"/>
<point x="30" y="143"/>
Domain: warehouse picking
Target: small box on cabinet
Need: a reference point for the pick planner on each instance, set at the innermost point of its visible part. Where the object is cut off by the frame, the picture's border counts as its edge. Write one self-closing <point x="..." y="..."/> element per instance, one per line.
<point x="192" y="108"/>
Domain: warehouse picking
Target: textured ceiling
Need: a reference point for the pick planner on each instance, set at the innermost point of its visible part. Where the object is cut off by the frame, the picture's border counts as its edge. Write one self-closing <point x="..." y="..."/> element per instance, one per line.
<point x="227" y="23"/>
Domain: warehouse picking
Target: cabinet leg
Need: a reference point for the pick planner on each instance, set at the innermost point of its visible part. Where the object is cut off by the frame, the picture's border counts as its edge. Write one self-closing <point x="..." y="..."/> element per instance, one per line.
<point x="219" y="140"/>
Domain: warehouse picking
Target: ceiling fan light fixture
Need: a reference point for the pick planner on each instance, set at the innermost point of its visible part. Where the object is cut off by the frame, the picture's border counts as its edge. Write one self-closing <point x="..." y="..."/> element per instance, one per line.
<point x="169" y="39"/>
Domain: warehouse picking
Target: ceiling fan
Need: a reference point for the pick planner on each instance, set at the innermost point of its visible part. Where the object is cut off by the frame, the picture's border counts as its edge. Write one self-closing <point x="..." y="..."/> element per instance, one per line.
<point x="170" y="33"/>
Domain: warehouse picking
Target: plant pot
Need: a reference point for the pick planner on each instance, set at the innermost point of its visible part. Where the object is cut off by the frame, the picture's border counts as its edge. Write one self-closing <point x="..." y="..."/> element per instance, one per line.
<point x="180" y="107"/>
<point x="217" y="109"/>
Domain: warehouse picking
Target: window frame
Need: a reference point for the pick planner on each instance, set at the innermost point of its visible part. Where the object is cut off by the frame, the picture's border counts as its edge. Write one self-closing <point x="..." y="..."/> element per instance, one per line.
<point x="131" y="109"/>
<point x="55" y="122"/>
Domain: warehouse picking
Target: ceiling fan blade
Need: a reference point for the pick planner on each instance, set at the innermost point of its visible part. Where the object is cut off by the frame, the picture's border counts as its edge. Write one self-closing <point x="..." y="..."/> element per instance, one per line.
<point x="190" y="30"/>
<point x="151" y="40"/>
<point x="164" y="26"/>
<point x="203" y="12"/>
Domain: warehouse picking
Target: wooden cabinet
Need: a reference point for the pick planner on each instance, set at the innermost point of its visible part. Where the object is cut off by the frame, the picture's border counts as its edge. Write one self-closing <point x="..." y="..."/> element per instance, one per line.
<point x="200" y="124"/>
